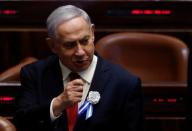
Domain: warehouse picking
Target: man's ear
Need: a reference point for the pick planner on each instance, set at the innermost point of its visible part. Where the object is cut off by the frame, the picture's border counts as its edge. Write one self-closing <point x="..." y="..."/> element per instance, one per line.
<point x="93" y="31"/>
<point x="93" y="28"/>
<point x="51" y="44"/>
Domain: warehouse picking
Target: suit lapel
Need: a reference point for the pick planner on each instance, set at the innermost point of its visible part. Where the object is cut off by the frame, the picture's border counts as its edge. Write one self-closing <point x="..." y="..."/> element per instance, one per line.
<point x="53" y="78"/>
<point x="100" y="79"/>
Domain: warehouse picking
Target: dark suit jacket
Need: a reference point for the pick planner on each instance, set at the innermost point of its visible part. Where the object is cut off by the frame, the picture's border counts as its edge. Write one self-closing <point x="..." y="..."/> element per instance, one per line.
<point x="119" y="109"/>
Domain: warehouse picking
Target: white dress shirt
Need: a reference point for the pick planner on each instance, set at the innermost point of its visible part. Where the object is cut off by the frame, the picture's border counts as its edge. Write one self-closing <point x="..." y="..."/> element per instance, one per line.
<point x="86" y="76"/>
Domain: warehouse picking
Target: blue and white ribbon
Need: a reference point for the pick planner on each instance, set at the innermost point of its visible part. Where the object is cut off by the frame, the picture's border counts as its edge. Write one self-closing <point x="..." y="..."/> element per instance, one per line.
<point x="86" y="107"/>
<point x="93" y="98"/>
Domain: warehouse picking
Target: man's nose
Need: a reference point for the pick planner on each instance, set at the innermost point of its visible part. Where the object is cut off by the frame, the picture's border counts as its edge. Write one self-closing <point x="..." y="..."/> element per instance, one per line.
<point x="79" y="50"/>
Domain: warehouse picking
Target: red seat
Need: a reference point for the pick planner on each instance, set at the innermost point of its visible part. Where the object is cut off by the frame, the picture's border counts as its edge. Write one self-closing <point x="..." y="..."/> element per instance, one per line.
<point x="13" y="73"/>
<point x="153" y="57"/>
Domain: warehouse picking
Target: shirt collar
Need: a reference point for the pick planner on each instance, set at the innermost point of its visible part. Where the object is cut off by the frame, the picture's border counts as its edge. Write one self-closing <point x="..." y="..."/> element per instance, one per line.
<point x="86" y="75"/>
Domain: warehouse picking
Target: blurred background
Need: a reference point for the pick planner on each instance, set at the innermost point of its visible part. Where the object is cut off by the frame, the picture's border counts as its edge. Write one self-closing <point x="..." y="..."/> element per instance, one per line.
<point x="164" y="64"/>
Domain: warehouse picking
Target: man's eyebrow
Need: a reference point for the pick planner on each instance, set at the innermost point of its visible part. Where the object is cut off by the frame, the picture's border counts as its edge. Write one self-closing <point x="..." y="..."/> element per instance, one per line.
<point x="87" y="36"/>
<point x="71" y="41"/>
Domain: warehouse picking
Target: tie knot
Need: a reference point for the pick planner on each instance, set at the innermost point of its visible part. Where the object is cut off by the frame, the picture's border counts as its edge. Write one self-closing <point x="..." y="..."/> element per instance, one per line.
<point x="73" y="76"/>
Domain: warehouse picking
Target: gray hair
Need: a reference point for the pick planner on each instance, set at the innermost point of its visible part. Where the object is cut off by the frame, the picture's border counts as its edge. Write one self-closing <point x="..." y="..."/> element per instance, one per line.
<point x="62" y="14"/>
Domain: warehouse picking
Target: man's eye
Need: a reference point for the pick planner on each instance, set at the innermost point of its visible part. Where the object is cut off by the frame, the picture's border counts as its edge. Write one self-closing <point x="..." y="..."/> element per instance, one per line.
<point x="84" y="41"/>
<point x="69" y="45"/>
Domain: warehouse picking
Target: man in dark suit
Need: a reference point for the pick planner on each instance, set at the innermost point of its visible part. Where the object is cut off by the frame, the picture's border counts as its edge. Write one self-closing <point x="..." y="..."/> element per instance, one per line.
<point x="108" y="97"/>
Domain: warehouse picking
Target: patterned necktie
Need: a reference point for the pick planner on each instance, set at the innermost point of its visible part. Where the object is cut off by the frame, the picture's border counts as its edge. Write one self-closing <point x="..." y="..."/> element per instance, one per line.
<point x="72" y="111"/>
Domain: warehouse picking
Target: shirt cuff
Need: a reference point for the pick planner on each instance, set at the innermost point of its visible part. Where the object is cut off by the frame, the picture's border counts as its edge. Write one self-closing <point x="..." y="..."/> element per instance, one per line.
<point x="53" y="117"/>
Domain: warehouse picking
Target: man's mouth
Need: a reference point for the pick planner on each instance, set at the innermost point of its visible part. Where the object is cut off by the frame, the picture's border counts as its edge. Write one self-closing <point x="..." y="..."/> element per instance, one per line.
<point x="80" y="61"/>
